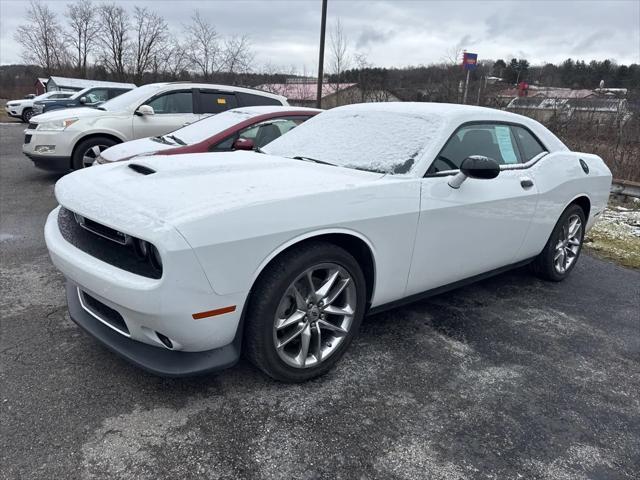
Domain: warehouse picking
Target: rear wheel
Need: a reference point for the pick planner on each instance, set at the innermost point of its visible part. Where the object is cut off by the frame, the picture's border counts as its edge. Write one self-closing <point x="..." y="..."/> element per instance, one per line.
<point x="27" y="113"/>
<point x="88" y="150"/>
<point x="563" y="248"/>
<point x="304" y="312"/>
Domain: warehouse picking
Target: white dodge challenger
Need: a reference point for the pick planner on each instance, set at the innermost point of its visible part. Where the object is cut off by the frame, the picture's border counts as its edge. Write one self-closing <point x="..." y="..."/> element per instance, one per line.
<point x="179" y="264"/>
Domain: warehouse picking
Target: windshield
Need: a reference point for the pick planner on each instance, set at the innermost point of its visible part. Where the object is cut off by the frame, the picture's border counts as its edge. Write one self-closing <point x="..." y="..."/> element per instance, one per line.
<point x="364" y="139"/>
<point x="131" y="99"/>
<point x="207" y="127"/>
<point x="80" y="93"/>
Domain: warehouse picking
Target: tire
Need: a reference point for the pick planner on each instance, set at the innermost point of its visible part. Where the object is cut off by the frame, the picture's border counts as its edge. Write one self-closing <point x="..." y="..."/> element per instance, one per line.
<point x="273" y="299"/>
<point x="88" y="150"/>
<point x="563" y="244"/>
<point x="27" y="113"/>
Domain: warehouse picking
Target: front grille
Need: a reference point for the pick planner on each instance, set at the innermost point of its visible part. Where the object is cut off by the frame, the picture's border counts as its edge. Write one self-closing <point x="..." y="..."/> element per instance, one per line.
<point x="119" y="255"/>
<point x="27" y="139"/>
<point x="32" y="126"/>
<point x="104" y="312"/>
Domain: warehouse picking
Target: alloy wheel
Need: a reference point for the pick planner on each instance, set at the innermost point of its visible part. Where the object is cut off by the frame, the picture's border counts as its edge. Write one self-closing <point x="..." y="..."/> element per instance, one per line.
<point x="91" y="154"/>
<point x="314" y="315"/>
<point x="568" y="245"/>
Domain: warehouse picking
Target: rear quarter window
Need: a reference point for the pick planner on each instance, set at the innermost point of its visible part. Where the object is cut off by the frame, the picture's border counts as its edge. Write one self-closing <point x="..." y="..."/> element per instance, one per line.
<point x="252" y="100"/>
<point x="529" y="144"/>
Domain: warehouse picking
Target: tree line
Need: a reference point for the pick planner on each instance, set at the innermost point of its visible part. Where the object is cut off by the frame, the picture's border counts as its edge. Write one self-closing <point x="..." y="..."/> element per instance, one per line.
<point x="107" y="41"/>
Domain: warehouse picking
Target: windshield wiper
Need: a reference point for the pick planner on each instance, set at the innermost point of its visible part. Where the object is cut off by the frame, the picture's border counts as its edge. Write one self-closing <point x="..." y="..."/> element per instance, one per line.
<point x="176" y="139"/>
<point x="314" y="160"/>
<point x="161" y="140"/>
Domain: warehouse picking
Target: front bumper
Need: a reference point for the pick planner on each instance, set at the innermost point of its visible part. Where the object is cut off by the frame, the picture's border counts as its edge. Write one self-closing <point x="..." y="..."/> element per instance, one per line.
<point x="149" y="307"/>
<point x="159" y="361"/>
<point x="13" y="111"/>
<point x="50" y="163"/>
<point x="59" y="158"/>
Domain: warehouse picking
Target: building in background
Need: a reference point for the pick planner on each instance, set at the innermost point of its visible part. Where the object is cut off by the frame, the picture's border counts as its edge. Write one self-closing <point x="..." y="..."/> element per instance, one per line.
<point x="40" y="86"/>
<point x="77" y="84"/>
<point x="303" y="94"/>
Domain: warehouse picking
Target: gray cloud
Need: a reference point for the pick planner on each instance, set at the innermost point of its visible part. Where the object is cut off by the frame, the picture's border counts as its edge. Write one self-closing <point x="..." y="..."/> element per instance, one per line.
<point x="399" y="33"/>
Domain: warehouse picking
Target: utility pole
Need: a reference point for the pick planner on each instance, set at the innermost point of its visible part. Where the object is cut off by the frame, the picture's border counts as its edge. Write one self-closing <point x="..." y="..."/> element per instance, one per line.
<point x="466" y="89"/>
<point x="323" y="27"/>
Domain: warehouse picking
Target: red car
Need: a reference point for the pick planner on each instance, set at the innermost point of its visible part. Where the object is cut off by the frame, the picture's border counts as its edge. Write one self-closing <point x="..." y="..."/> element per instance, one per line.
<point x="245" y="128"/>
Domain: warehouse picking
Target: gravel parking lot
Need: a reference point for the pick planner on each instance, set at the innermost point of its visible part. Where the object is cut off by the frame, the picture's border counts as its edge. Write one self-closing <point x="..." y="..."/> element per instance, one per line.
<point x="509" y="378"/>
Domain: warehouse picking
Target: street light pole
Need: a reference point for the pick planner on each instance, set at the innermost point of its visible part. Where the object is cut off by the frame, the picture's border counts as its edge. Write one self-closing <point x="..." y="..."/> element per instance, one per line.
<point x="323" y="27"/>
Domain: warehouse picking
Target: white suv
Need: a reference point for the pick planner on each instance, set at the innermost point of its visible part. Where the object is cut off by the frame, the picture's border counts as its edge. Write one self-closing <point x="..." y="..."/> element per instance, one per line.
<point x="23" y="109"/>
<point x="73" y="138"/>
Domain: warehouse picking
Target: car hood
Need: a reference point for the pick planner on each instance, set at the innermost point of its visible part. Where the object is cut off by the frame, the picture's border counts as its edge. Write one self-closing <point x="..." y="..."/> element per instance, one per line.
<point x="184" y="188"/>
<point x="126" y="150"/>
<point x="80" y="112"/>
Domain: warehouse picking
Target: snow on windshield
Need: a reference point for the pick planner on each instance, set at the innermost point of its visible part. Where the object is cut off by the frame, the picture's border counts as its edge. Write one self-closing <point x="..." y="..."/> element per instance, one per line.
<point x="207" y="127"/>
<point x="376" y="140"/>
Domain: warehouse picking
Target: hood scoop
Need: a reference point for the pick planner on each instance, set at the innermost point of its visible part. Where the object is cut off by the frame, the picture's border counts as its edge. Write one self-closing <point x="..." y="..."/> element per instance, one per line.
<point x="142" y="169"/>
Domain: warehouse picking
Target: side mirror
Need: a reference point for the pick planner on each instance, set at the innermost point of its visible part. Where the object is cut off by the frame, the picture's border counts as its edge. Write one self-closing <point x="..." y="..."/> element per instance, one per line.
<point x="145" y="110"/>
<point x="243" y="144"/>
<point x="83" y="100"/>
<point x="475" y="166"/>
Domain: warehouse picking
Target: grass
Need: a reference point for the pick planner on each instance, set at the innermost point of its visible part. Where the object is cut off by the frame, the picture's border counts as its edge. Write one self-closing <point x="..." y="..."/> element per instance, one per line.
<point x="616" y="236"/>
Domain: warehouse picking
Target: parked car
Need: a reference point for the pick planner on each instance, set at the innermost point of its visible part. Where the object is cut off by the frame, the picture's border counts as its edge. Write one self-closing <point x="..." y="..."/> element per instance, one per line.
<point x="176" y="265"/>
<point x="65" y="139"/>
<point x="88" y="97"/>
<point x="23" y="109"/>
<point x="243" y="128"/>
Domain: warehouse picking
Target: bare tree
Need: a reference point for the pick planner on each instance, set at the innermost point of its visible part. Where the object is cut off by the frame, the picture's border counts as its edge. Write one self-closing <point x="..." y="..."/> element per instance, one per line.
<point x="172" y="60"/>
<point x="82" y="34"/>
<point x="338" y="55"/>
<point x="150" y="39"/>
<point x="42" y="38"/>
<point x="238" y="57"/>
<point x="203" y="49"/>
<point x="114" y="39"/>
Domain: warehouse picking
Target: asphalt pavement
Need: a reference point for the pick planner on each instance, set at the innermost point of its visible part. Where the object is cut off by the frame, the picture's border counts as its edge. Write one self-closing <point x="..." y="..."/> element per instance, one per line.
<point x="508" y="378"/>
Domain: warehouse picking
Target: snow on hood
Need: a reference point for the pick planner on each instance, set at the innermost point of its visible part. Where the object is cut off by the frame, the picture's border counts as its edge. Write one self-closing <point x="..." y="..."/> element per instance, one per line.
<point x="80" y="112"/>
<point x="126" y="150"/>
<point x="185" y="188"/>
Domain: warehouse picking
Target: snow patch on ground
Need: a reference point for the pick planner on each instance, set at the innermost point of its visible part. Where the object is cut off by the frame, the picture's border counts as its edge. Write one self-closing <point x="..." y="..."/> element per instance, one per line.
<point x="616" y="234"/>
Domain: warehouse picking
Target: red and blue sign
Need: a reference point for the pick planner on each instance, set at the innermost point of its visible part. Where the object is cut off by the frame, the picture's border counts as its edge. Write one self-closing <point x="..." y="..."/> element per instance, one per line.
<point x="469" y="61"/>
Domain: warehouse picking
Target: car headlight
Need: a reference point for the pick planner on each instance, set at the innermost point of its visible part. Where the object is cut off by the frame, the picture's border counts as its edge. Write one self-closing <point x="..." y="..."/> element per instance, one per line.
<point x="12" y="104"/>
<point x="57" y="125"/>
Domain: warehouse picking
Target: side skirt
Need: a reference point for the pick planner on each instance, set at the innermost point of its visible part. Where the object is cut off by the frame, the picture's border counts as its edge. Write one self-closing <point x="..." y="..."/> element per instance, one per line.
<point x="445" y="288"/>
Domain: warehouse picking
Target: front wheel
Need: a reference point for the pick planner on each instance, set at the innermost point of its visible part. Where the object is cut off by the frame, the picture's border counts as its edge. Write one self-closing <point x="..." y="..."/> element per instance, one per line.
<point x="563" y="248"/>
<point x="304" y="312"/>
<point x="27" y="113"/>
<point x="88" y="150"/>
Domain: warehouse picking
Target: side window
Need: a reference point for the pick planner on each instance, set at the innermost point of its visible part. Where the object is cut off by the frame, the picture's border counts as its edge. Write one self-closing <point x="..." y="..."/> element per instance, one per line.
<point x="97" y="95"/>
<point x="173" y="102"/>
<point x="529" y="144"/>
<point x="267" y="132"/>
<point x="493" y="141"/>
<point x="251" y="100"/>
<point x="113" y="93"/>
<point x="214" y="102"/>
<point x="225" y="145"/>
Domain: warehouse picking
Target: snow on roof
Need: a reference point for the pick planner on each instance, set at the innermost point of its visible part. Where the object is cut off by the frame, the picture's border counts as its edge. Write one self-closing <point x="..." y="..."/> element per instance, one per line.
<point x="262" y="109"/>
<point x="84" y="83"/>
<point x="303" y="91"/>
<point x="586" y="104"/>
<point x="42" y="80"/>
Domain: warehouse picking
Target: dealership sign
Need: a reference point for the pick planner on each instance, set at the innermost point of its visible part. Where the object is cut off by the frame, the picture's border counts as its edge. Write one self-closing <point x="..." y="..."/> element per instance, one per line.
<point x="469" y="61"/>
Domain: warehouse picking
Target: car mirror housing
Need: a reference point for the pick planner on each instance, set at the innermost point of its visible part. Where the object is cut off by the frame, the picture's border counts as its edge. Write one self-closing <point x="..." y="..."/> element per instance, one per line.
<point x="475" y="166"/>
<point x="145" y="110"/>
<point x="243" y="144"/>
<point x="83" y="100"/>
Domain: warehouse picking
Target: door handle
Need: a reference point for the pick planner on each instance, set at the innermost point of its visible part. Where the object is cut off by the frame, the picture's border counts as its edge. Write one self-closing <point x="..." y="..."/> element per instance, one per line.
<point x="526" y="182"/>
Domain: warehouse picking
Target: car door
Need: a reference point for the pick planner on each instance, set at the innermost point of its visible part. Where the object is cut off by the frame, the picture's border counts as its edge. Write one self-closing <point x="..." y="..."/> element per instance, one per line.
<point x="480" y="226"/>
<point x="172" y="110"/>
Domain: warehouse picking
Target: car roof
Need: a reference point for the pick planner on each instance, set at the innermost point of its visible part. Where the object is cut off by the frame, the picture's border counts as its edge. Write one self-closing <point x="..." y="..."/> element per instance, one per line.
<point x="224" y="88"/>
<point x="266" y="109"/>
<point x="455" y="114"/>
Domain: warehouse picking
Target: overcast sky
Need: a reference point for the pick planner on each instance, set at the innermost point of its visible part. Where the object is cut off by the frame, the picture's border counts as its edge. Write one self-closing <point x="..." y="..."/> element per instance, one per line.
<point x="399" y="33"/>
